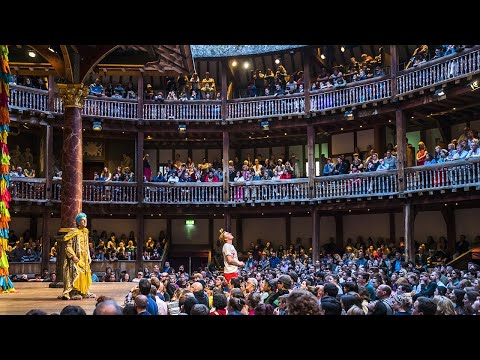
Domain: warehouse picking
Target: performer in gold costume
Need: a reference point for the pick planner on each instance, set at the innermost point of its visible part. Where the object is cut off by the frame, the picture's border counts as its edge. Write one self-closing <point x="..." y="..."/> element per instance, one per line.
<point x="77" y="276"/>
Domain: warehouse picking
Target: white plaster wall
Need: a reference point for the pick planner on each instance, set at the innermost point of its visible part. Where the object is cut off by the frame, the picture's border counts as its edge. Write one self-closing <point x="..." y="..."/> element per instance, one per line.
<point x="431" y="139"/>
<point x="190" y="234"/>
<point x="342" y="143"/>
<point x="365" y="138"/>
<point x="466" y="222"/>
<point x="118" y="226"/>
<point x="366" y="225"/>
<point x="19" y="224"/>
<point x="269" y="229"/>
<point x="198" y="155"/>
<point x="279" y="153"/>
<point x="429" y="223"/>
<point x="244" y="153"/>
<point x="215" y="154"/>
<point x="165" y="155"/>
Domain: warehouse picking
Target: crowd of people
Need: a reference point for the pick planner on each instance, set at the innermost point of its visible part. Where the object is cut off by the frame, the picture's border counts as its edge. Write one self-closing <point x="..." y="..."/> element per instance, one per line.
<point x="360" y="279"/>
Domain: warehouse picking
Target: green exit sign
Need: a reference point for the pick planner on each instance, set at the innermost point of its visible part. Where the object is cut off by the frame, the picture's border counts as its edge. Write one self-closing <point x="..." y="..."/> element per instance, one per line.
<point x="189" y="222"/>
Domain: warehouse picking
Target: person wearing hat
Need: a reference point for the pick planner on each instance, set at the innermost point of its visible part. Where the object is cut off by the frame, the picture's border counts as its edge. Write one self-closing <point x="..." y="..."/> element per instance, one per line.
<point x="77" y="276"/>
<point x="230" y="256"/>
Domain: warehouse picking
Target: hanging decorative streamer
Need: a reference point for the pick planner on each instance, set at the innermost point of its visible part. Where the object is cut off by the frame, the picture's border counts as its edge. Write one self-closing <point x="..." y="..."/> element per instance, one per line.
<point x="5" y="78"/>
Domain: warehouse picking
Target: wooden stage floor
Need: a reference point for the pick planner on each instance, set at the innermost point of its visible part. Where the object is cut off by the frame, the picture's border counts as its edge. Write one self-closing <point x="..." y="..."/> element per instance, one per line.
<point x="37" y="295"/>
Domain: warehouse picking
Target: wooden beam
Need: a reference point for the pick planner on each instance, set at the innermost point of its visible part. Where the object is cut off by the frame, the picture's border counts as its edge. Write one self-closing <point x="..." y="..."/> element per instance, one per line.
<point x="67" y="63"/>
<point x="239" y="233"/>
<point x="227" y="220"/>
<point x="306" y="77"/>
<point x="45" y="238"/>
<point x="91" y="57"/>
<point x="54" y="59"/>
<point x="140" y="87"/>
<point x="48" y="161"/>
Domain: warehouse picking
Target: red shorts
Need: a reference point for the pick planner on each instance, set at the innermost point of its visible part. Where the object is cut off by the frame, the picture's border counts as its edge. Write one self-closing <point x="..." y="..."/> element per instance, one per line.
<point x="229" y="276"/>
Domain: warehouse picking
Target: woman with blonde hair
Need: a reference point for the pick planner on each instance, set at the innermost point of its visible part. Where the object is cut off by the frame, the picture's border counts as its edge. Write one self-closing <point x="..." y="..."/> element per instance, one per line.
<point x="421" y="153"/>
<point x="445" y="306"/>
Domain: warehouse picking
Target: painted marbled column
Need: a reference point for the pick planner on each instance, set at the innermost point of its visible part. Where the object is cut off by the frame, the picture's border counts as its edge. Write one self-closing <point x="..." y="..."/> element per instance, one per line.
<point x="73" y="96"/>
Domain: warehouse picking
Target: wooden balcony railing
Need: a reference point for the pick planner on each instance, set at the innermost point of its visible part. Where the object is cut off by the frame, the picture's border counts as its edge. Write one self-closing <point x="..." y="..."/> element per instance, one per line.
<point x="435" y="72"/>
<point x="376" y="183"/>
<point x="27" y="98"/>
<point x="269" y="191"/>
<point x="449" y="175"/>
<point x="27" y="189"/>
<point x="183" y="110"/>
<point x="353" y="94"/>
<point x="266" y="106"/>
<point x="109" y="192"/>
<point x="183" y="193"/>
<point x="439" y="71"/>
<point x="457" y="174"/>
<point x="110" y="108"/>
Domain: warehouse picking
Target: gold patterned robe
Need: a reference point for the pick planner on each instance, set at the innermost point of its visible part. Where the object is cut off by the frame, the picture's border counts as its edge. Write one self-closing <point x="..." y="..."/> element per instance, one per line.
<point x="76" y="276"/>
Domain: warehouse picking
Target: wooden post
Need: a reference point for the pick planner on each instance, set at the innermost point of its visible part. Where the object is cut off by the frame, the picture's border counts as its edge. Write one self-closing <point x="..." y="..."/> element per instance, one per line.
<point x="45" y="238"/>
<point x="409" y="220"/>
<point x="307" y="55"/>
<point x="224" y="90"/>
<point x="48" y="161"/>
<point x="392" y="227"/>
<point x="311" y="160"/>
<point x="51" y="93"/>
<point x="401" y="129"/>
<point x="315" y="235"/>
<point x="227" y="221"/>
<point x="339" y="231"/>
<point x="239" y="228"/>
<point x="449" y="217"/>
<point x="226" y="183"/>
<point x="140" y="239"/>
<point x="169" y="231"/>
<point x="288" y="231"/>
<point x="140" y="97"/>
<point x="139" y="167"/>
<point x="393" y="69"/>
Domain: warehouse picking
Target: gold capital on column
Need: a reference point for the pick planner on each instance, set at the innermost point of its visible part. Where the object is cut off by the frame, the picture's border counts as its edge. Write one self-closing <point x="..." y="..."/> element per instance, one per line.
<point x="73" y="95"/>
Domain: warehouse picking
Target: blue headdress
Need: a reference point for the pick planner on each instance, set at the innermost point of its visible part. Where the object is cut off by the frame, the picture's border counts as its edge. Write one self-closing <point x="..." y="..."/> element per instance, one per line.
<point x="79" y="217"/>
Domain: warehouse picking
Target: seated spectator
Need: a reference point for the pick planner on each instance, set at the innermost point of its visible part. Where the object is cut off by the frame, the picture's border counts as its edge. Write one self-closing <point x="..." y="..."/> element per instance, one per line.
<point x="96" y="89"/>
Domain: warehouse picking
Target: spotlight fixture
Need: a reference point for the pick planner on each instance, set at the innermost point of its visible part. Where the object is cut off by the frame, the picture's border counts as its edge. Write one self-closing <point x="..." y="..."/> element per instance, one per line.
<point x="342" y="49"/>
<point x="277" y="61"/>
<point x="32" y="54"/>
<point x="439" y="93"/>
<point x="474" y="85"/>
<point x="97" y="125"/>
<point x="265" y="125"/>
<point x="51" y="49"/>
<point x="182" y="127"/>
<point x="149" y="137"/>
<point x="323" y="57"/>
<point x="246" y="65"/>
<point x="349" y="114"/>
<point x="234" y="63"/>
